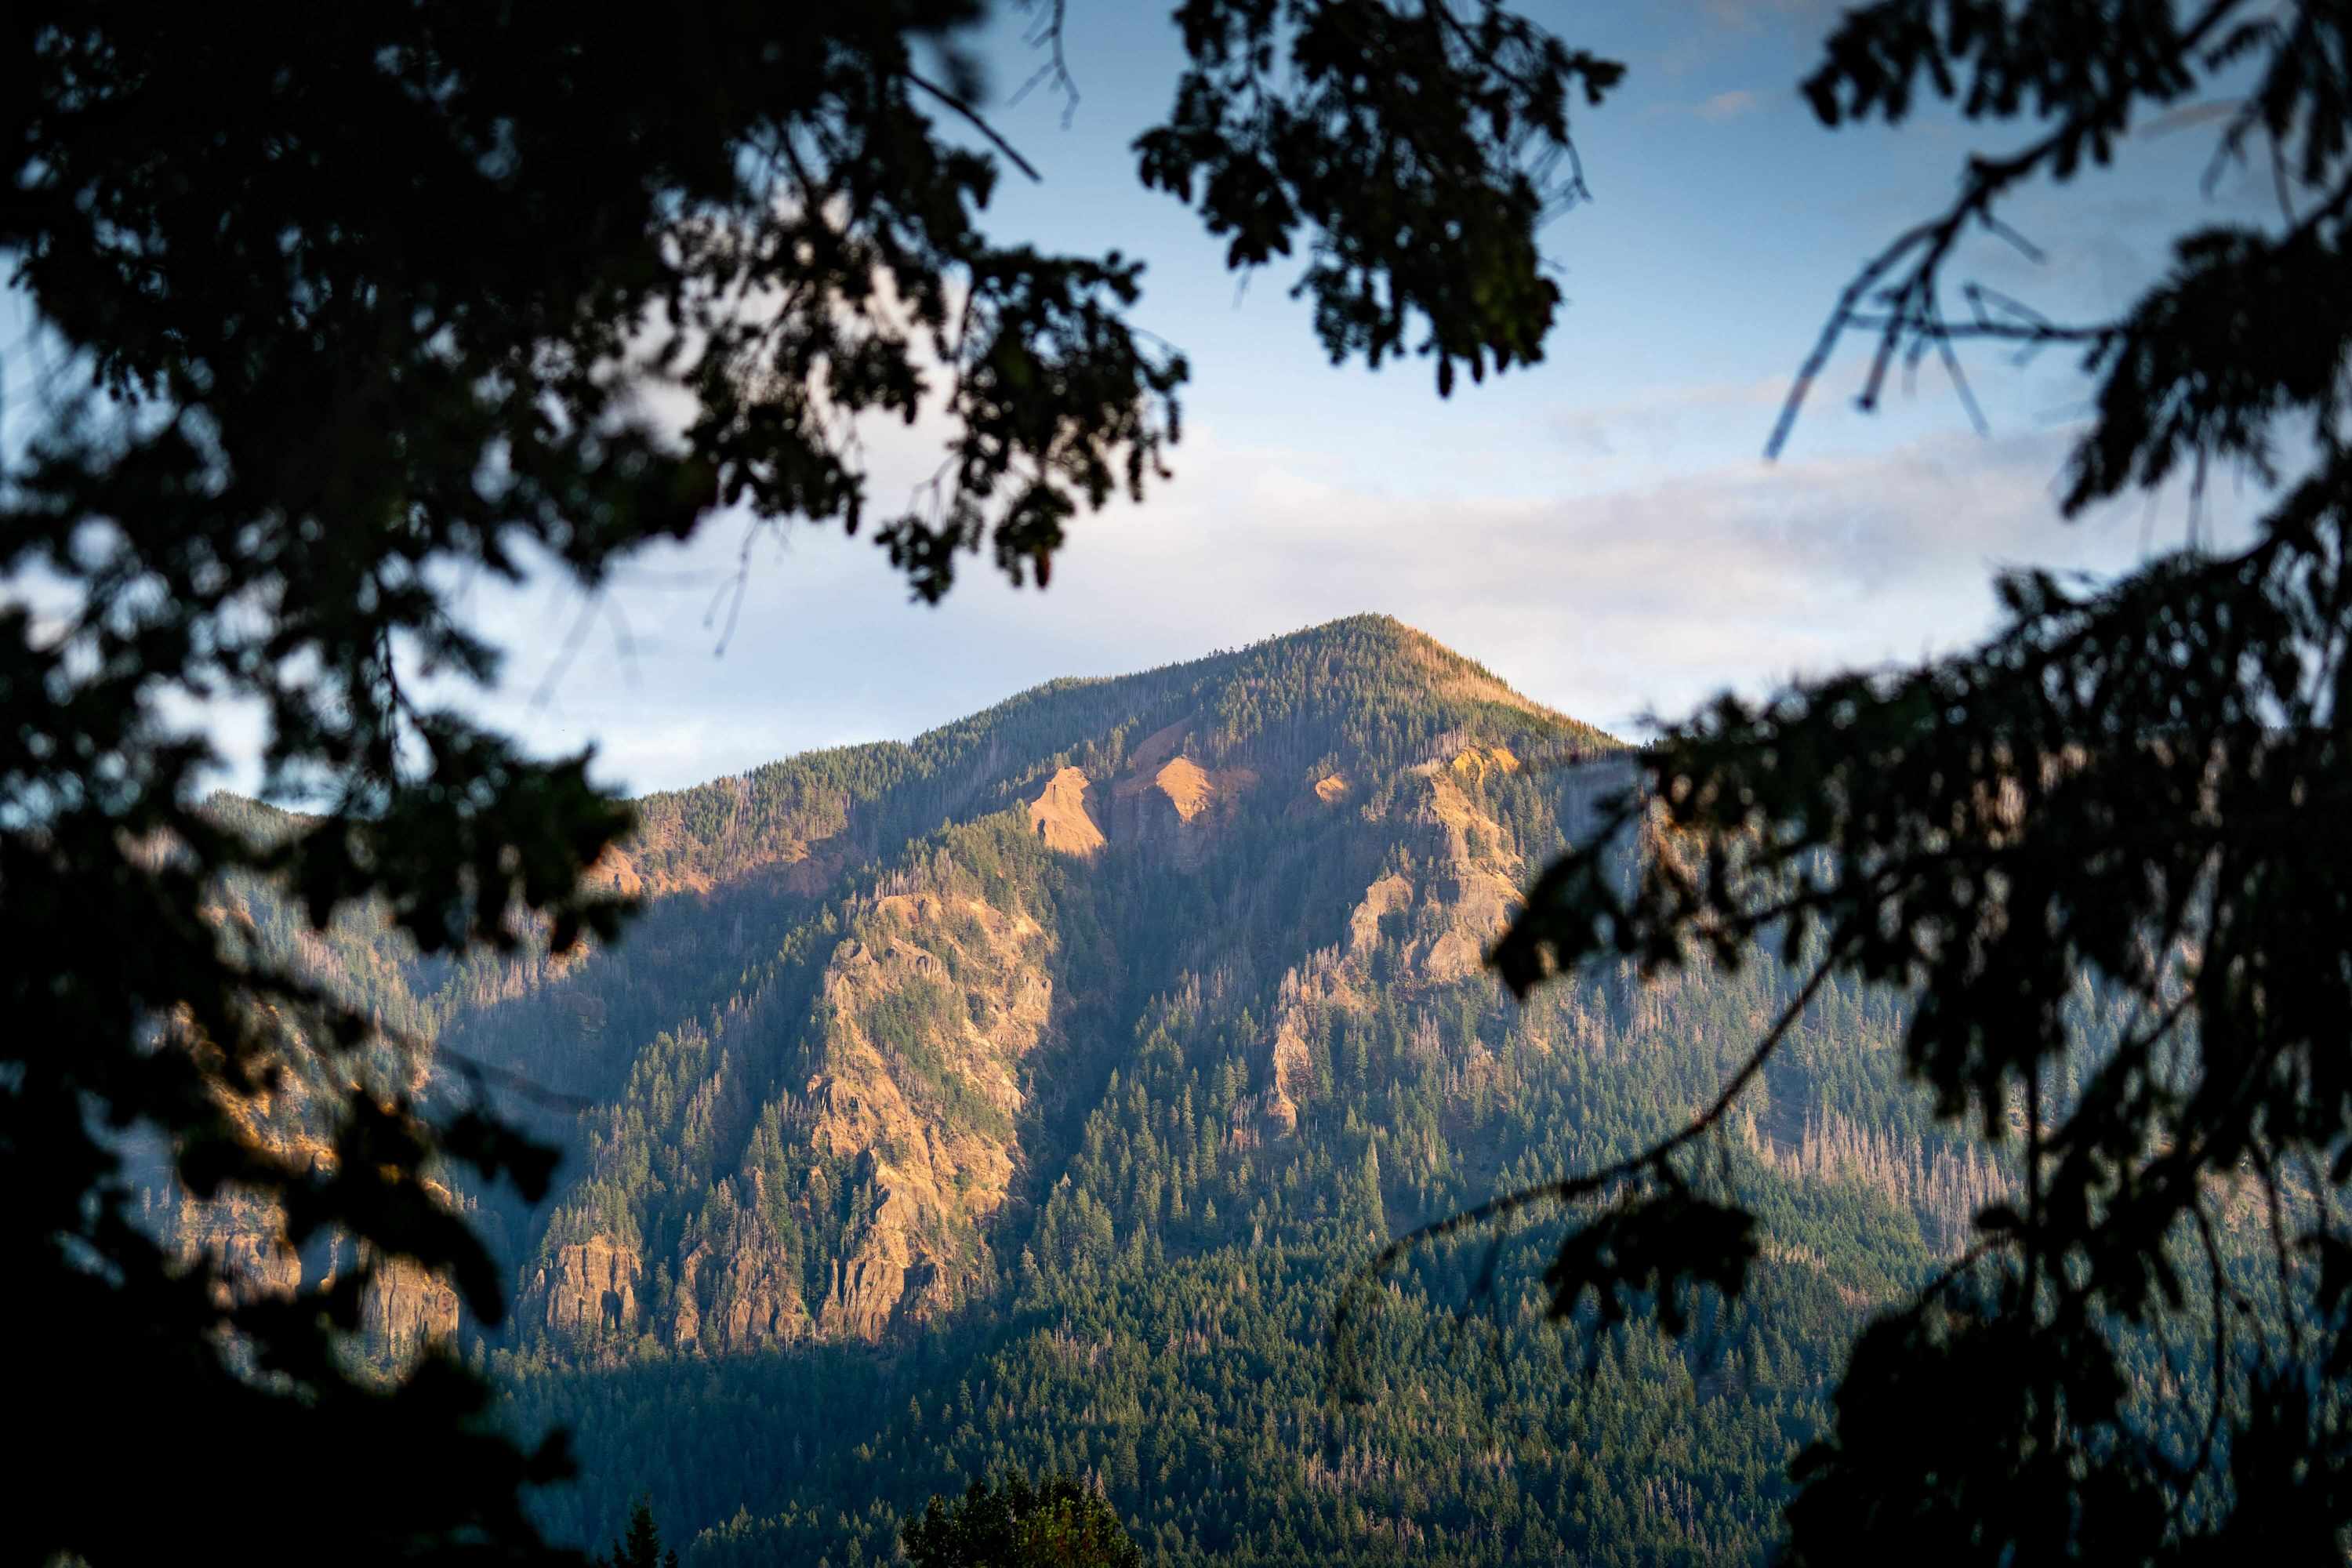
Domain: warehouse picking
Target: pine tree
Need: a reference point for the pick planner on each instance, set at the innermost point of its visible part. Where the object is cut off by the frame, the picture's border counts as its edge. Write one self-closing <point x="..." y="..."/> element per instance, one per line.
<point x="642" y="1546"/>
<point x="1061" y="1522"/>
<point x="1369" y="1208"/>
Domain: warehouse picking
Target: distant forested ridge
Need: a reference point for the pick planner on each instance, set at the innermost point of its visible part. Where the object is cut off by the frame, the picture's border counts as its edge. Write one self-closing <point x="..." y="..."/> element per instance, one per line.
<point x="1021" y="1096"/>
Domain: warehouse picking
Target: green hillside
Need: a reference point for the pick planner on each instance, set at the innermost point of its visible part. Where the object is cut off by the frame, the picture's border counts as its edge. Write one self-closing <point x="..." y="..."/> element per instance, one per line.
<point x="1024" y="1093"/>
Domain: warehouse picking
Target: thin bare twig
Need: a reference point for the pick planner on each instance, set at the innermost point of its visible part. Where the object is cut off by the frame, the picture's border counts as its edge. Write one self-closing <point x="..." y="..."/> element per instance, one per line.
<point x="1057" y="69"/>
<point x="978" y="123"/>
<point x="1911" y="310"/>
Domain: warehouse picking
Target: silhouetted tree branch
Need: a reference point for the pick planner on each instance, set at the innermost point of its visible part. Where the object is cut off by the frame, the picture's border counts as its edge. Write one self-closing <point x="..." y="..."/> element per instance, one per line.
<point x="339" y="314"/>
<point x="2134" y="790"/>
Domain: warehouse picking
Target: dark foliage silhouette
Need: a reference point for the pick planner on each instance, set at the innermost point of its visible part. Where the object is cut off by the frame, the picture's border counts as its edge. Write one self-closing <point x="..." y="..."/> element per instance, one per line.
<point x="334" y="311"/>
<point x="2134" y="794"/>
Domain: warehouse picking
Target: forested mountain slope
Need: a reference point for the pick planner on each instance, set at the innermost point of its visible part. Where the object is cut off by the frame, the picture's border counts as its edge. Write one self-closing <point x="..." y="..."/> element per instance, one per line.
<point x="1024" y="1093"/>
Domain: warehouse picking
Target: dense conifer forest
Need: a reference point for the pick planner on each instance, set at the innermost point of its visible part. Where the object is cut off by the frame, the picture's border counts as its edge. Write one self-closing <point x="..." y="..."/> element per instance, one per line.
<point x="1022" y="1097"/>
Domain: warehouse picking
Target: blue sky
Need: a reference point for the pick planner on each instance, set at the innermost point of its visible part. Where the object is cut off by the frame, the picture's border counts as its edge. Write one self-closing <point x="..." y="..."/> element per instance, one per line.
<point x="1600" y="530"/>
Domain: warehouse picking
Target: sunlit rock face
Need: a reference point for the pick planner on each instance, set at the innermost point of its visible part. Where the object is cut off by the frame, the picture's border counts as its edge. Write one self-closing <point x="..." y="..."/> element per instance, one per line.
<point x="589" y="1287"/>
<point x="833" y="1071"/>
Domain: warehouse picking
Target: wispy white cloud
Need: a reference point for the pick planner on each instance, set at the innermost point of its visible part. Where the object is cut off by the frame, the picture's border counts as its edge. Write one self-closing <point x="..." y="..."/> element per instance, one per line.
<point x="1656" y="593"/>
<point x="1704" y="30"/>
<point x="1748" y="15"/>
<point x="1652" y="423"/>
<point x="1652" y="592"/>
<point x="1721" y="106"/>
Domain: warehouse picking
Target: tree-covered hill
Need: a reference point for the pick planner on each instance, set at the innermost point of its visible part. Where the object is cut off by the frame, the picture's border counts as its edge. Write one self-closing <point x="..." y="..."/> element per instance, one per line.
<point x="1022" y="1094"/>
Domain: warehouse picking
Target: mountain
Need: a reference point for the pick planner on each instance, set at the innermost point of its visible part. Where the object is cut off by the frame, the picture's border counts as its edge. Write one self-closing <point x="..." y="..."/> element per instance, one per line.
<point x="895" y="1037"/>
<point x="1025" y="1093"/>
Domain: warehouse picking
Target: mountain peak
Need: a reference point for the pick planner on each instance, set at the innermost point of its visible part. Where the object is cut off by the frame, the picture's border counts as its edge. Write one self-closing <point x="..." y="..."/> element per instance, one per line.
<point x="1358" y="697"/>
<point x="1374" y="639"/>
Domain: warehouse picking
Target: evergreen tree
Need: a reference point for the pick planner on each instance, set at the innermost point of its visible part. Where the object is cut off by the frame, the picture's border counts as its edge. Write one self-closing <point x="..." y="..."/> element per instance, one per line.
<point x="1007" y="1523"/>
<point x="642" y="1546"/>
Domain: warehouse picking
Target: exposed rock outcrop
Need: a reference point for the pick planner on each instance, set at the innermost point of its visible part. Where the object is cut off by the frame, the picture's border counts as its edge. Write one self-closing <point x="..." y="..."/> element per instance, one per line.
<point x="1433" y="919"/>
<point x="1061" y="817"/>
<point x="404" y="1310"/>
<point x="1175" y="808"/>
<point x="1476" y="762"/>
<point x="245" y="1241"/>
<point x="930" y="1011"/>
<point x="744" y="1298"/>
<point x="869" y="1289"/>
<point x="1475" y="881"/>
<point x="589" y="1287"/>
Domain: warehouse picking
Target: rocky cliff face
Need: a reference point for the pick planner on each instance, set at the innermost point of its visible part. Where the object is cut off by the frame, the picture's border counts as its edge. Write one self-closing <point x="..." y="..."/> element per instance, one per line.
<point x="589" y="1287"/>
<point x="1429" y="924"/>
<point x="745" y="1298"/>
<point x="1163" y="803"/>
<point x="1064" y="814"/>
<point x="406" y="1309"/>
<point x="864" y="1196"/>
<point x="1168" y="804"/>
<point x="245" y="1239"/>
<point x="403" y="1311"/>
<point x="845" y="1146"/>
<point x="933" y="1010"/>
